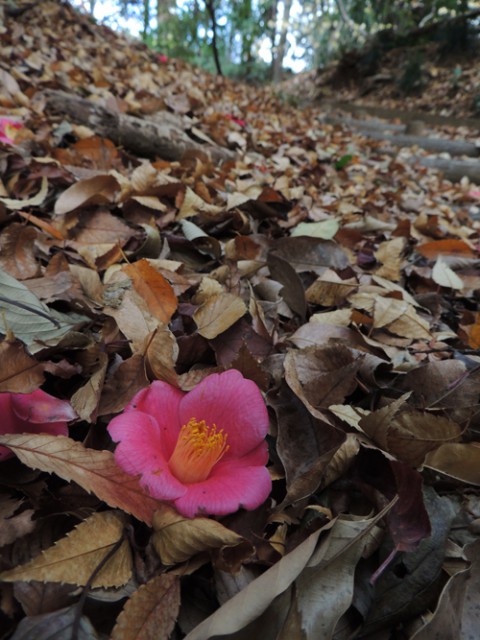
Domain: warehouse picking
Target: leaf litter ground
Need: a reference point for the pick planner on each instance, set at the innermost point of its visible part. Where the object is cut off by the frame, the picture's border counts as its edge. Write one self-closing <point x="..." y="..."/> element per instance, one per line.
<point x="340" y="278"/>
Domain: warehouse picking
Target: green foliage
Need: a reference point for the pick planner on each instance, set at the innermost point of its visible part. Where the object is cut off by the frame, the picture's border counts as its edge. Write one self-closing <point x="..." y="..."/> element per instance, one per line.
<point x="322" y="29"/>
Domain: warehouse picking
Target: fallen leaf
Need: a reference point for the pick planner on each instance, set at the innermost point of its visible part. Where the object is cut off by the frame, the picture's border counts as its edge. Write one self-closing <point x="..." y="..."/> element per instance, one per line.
<point x="120" y="387"/>
<point x="57" y="625"/>
<point x="20" y="373"/>
<point x="29" y="319"/>
<point x="305" y="444"/>
<point x="407" y="433"/>
<point x="177" y="539"/>
<point x="443" y="275"/>
<point x="161" y="354"/>
<point x="14" y="525"/>
<point x="449" y="247"/>
<point x="151" y="612"/>
<point x="85" y="400"/>
<point x="34" y="201"/>
<point x="95" y="471"/>
<point x="292" y="290"/>
<point x="252" y="601"/>
<point x="75" y="558"/>
<point x="97" y="190"/>
<point x="153" y="288"/>
<point x="457" y="460"/>
<point x="218" y="313"/>
<point x="325" y="229"/>
<point x="323" y="375"/>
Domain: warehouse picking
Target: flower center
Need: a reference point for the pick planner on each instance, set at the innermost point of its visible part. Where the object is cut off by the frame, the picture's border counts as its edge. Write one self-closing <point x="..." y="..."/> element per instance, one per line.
<point x="199" y="447"/>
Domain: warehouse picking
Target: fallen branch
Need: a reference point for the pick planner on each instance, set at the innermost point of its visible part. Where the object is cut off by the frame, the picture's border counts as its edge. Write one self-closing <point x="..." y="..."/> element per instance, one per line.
<point x="404" y="116"/>
<point x="142" y="137"/>
<point x="453" y="170"/>
<point x="379" y="131"/>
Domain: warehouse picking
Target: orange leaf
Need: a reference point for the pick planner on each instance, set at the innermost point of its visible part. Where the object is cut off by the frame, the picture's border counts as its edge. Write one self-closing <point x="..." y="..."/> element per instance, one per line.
<point x="473" y="332"/>
<point x="153" y="288"/>
<point x="42" y="224"/>
<point x="449" y="247"/>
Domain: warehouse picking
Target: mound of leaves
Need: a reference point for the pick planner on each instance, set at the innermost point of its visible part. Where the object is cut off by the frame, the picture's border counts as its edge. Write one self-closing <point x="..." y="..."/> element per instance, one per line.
<point x="342" y="281"/>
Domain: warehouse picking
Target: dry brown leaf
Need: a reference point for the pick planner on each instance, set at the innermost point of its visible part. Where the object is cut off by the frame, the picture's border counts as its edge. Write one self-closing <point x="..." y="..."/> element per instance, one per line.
<point x="457" y="460"/>
<point x="95" y="471"/>
<point x="19" y="373"/>
<point x="85" y="400"/>
<point x="153" y="288"/>
<point x="73" y="559"/>
<point x="161" y="355"/>
<point x="321" y="376"/>
<point x="329" y="290"/>
<point x="193" y="205"/>
<point x="120" y="387"/>
<point x="151" y="612"/>
<point x="16" y="251"/>
<point x="177" y="539"/>
<point x="250" y="602"/>
<point x="399" y="317"/>
<point x="218" y="313"/>
<point x="96" y="190"/>
<point x="34" y="201"/>
<point x="406" y="433"/>
<point x="389" y="253"/>
<point x="305" y="445"/>
<point x="443" y="275"/>
<point x="14" y="525"/>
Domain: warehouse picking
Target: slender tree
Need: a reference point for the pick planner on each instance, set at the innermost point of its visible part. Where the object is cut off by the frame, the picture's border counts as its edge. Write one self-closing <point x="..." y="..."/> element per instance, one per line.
<point x="282" y="42"/>
<point x="210" y="4"/>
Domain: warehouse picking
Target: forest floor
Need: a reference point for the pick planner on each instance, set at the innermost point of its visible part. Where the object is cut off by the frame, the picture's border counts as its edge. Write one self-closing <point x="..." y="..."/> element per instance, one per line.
<point x="161" y="224"/>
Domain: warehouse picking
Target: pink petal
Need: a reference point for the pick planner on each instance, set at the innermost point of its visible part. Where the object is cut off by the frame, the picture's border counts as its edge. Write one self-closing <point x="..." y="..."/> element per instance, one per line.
<point x="5" y="453"/>
<point x="35" y="412"/>
<point x="239" y="487"/>
<point x="161" y="401"/>
<point x="39" y="407"/>
<point x="232" y="403"/>
<point x="141" y="452"/>
<point x="8" y="423"/>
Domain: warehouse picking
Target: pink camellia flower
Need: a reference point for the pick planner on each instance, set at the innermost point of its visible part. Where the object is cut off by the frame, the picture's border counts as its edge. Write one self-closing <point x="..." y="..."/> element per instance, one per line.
<point x="8" y="129"/>
<point x="203" y="451"/>
<point x="238" y="121"/>
<point x="35" y="412"/>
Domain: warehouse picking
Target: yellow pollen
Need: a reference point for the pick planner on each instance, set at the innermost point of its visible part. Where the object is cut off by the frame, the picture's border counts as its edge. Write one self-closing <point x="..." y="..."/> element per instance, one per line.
<point x="198" y="449"/>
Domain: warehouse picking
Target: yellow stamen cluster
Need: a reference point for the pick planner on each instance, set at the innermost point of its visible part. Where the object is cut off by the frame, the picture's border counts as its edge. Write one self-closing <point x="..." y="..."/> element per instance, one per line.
<point x="199" y="447"/>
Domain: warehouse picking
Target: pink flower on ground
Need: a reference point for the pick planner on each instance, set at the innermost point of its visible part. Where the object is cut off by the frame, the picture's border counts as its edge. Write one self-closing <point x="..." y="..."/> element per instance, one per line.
<point x="162" y="58"/>
<point x="8" y="129"/>
<point x="203" y="451"/>
<point x="238" y="121"/>
<point x="36" y="412"/>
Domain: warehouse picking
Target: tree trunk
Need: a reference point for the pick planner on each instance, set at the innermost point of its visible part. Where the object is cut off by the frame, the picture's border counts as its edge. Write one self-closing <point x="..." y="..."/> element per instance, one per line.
<point x="282" y="43"/>
<point x="146" y="20"/>
<point x="163" y="14"/>
<point x="210" y="4"/>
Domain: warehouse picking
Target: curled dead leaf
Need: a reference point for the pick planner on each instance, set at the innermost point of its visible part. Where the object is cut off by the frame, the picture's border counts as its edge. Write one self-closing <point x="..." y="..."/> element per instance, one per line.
<point x="177" y="539"/>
